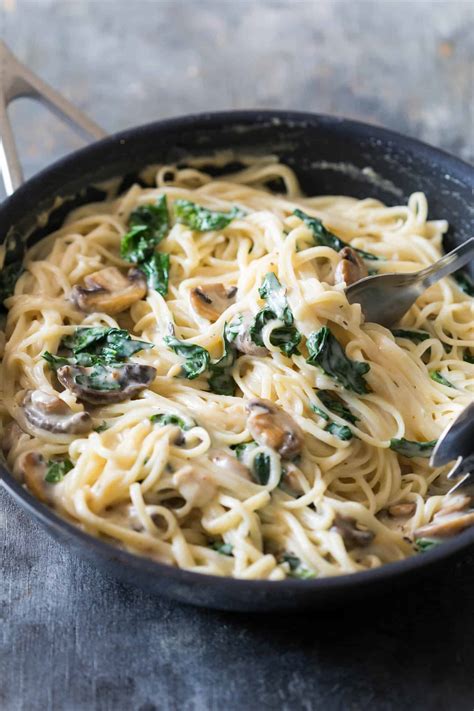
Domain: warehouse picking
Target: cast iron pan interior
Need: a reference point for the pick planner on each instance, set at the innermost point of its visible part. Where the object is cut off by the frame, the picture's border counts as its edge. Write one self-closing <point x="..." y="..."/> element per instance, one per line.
<point x="330" y="156"/>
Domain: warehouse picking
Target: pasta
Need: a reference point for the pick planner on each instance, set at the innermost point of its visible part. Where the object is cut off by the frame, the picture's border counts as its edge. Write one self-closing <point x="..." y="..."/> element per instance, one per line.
<point x="268" y="431"/>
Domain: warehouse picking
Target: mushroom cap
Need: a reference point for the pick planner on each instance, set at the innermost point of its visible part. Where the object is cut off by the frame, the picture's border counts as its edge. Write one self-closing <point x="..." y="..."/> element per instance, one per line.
<point x="351" y="268"/>
<point x="352" y="536"/>
<point x="48" y="412"/>
<point x="123" y="382"/>
<point x="230" y="463"/>
<point x="450" y="520"/>
<point x="272" y="427"/>
<point x="33" y="468"/>
<point x="211" y="300"/>
<point x="109" y="290"/>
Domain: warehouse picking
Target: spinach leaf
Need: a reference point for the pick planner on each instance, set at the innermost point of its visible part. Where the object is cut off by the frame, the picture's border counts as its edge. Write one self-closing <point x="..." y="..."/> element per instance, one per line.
<point x="200" y="218"/>
<point x="169" y="419"/>
<point x="468" y="358"/>
<point x="325" y="238"/>
<point x="8" y="278"/>
<point x="286" y="337"/>
<point x="335" y="405"/>
<point x="261" y="464"/>
<point x="101" y="377"/>
<point x="148" y="227"/>
<point x="426" y="544"/>
<point x="221" y="381"/>
<point x="55" y="362"/>
<point x="222" y="548"/>
<point x="197" y="359"/>
<point x="156" y="269"/>
<point x="408" y="448"/>
<point x="105" y="345"/>
<point x="415" y="336"/>
<point x="438" y="378"/>
<point x="326" y="352"/>
<point x="464" y="282"/>
<point x="56" y="470"/>
<point x="342" y="431"/>
<point x="297" y="568"/>
<point x="102" y="427"/>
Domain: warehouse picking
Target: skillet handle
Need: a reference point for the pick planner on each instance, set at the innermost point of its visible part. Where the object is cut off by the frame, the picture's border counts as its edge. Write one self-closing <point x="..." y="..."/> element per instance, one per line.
<point x="16" y="80"/>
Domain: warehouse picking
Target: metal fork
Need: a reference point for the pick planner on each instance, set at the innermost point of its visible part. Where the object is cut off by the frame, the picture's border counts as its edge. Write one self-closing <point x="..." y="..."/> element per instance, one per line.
<point x="457" y="442"/>
<point x="385" y="298"/>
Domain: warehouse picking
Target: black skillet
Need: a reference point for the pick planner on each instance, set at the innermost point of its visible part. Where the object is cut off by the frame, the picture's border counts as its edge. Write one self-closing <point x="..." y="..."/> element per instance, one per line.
<point x="330" y="156"/>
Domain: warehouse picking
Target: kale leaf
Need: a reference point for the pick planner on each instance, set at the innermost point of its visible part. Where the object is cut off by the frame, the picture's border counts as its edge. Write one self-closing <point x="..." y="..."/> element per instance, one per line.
<point x="221" y="381"/>
<point x="438" y="378"/>
<point x="222" y="548"/>
<point x="200" y="218"/>
<point x="56" y="470"/>
<point x="286" y="337"/>
<point x="261" y="464"/>
<point x="426" y="544"/>
<point x="8" y="278"/>
<point x="149" y="225"/>
<point x="408" y="448"/>
<point x="415" y="336"/>
<point x="334" y="404"/>
<point x="197" y="359"/>
<point x="324" y="238"/>
<point x="156" y="269"/>
<point x="326" y="352"/>
<point x="169" y="419"/>
<point x="296" y="567"/>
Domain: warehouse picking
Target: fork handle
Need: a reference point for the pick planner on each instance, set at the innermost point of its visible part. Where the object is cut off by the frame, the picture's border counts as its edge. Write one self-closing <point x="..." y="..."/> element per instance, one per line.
<point x="448" y="264"/>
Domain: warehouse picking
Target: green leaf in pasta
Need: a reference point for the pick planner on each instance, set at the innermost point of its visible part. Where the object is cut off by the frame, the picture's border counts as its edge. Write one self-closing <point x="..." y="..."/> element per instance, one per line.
<point x="149" y="225"/>
<point x="326" y="352"/>
<point x="438" y="378"/>
<point x="335" y="405"/>
<point x="56" y="470"/>
<point x="296" y="568"/>
<point x="286" y="337"/>
<point x="200" y="218"/>
<point x="408" y="448"/>
<point x="156" y="268"/>
<point x="197" y="359"/>
<point x="426" y="544"/>
<point x="261" y="465"/>
<point x="468" y="357"/>
<point x="222" y="548"/>
<point x="9" y="275"/>
<point x="411" y="335"/>
<point x="104" y="345"/>
<point x="324" y="238"/>
<point x="221" y="381"/>
<point x="163" y="419"/>
<point x="343" y="432"/>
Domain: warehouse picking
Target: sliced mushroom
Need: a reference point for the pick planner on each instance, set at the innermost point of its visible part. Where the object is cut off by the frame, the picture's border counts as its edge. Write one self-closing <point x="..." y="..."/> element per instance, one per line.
<point x="351" y="268"/>
<point x="272" y="427"/>
<point x="106" y="385"/>
<point x="230" y="463"/>
<point x="48" y="412"/>
<point x="450" y="520"/>
<point x="401" y="510"/>
<point x="243" y="341"/>
<point x="353" y="537"/>
<point x="33" y="468"/>
<point x="195" y="486"/>
<point x="110" y="291"/>
<point x="211" y="300"/>
<point x="291" y="479"/>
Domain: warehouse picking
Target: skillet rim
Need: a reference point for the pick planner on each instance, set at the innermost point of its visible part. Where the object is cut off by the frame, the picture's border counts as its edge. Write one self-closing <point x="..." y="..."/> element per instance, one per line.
<point x="443" y="161"/>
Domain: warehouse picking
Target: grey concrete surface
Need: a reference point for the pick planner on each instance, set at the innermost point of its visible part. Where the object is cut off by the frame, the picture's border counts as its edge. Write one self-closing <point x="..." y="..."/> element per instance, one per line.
<point x="74" y="639"/>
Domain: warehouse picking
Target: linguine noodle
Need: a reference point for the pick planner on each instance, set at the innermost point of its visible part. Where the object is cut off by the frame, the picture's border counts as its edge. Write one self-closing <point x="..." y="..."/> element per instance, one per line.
<point x="127" y="483"/>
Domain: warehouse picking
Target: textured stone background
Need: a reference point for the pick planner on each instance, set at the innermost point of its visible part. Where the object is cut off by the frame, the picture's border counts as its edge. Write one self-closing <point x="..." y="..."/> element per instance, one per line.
<point x="73" y="639"/>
